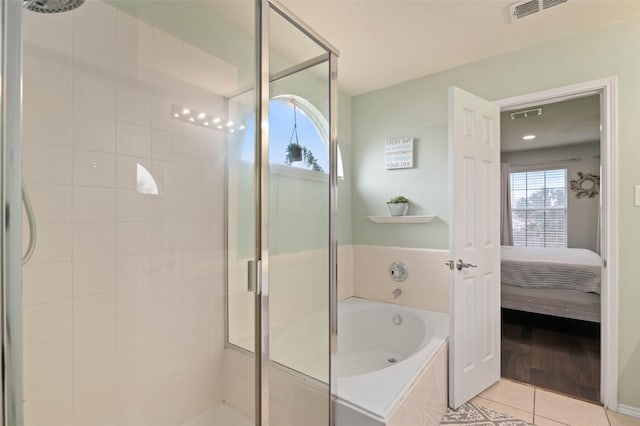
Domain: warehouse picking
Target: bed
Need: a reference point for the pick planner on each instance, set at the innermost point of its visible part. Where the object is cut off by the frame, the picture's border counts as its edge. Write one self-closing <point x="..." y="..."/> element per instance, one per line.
<point x="562" y="282"/>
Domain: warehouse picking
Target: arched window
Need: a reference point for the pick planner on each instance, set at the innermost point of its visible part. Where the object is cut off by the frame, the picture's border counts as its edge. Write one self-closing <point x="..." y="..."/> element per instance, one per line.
<point x="312" y="131"/>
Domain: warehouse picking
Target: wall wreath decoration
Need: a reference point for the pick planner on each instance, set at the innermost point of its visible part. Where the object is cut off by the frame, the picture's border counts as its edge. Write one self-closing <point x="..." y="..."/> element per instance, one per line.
<point x="587" y="185"/>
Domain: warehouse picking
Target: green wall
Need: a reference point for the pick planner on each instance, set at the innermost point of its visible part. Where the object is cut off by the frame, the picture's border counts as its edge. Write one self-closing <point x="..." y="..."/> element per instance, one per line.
<point x="418" y="108"/>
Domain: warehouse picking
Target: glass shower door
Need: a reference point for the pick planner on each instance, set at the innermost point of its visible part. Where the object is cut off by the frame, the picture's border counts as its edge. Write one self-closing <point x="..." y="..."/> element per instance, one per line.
<point x="292" y="284"/>
<point x="299" y="222"/>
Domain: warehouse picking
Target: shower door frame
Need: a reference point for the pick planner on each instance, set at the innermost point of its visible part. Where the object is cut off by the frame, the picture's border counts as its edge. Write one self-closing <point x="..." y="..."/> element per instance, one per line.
<point x="261" y="297"/>
<point x="11" y="408"/>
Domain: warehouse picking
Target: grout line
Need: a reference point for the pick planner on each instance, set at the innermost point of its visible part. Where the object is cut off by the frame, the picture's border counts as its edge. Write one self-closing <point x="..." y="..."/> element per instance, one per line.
<point x="509" y="405"/>
<point x="606" y="413"/>
<point x="535" y="391"/>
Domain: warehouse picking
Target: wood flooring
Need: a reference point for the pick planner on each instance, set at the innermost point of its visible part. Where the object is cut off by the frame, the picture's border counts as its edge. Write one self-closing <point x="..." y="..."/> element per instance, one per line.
<point x="555" y="353"/>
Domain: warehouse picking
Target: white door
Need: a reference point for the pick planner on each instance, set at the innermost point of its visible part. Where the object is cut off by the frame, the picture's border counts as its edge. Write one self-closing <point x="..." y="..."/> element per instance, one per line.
<point x="474" y="245"/>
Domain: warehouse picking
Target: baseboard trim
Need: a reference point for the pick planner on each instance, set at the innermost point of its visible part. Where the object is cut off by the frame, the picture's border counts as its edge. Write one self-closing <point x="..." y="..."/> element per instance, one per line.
<point x="628" y="410"/>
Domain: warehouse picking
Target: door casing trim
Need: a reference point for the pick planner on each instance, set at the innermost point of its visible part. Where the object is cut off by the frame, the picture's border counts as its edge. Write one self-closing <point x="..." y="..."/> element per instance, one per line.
<point x="607" y="88"/>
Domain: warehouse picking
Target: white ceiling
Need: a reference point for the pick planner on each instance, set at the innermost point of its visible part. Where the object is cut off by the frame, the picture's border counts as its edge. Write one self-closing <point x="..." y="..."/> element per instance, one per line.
<point x="385" y="42"/>
<point x="570" y="122"/>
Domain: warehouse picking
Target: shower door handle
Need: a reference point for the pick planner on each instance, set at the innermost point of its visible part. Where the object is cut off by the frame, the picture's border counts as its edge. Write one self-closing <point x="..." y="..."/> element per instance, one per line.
<point x="253" y="276"/>
<point x="32" y="225"/>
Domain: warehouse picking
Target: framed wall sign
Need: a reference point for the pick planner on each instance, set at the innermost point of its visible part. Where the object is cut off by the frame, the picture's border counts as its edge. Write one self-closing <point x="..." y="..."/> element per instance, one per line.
<point x="398" y="153"/>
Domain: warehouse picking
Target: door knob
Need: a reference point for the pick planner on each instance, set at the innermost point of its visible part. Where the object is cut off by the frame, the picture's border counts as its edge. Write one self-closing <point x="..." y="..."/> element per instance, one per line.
<point x="460" y="264"/>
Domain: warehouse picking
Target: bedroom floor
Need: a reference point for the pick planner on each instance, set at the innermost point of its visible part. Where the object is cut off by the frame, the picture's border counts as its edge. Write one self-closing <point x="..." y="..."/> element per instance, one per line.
<point x="555" y="353"/>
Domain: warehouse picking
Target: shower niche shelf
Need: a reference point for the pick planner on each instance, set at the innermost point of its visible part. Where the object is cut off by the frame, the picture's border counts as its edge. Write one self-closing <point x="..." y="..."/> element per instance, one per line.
<point x="401" y="219"/>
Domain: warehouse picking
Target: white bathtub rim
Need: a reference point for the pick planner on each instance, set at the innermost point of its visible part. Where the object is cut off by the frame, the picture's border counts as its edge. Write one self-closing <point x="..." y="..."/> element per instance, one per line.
<point x="379" y="401"/>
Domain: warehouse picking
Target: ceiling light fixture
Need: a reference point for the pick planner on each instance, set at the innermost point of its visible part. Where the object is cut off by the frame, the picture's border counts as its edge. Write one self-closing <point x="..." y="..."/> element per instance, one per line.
<point x="526" y="114"/>
<point x="529" y="137"/>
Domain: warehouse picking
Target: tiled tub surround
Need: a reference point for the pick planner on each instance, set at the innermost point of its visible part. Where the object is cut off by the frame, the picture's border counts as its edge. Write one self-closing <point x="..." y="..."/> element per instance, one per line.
<point x="426" y="286"/>
<point x="392" y="365"/>
<point x="124" y="295"/>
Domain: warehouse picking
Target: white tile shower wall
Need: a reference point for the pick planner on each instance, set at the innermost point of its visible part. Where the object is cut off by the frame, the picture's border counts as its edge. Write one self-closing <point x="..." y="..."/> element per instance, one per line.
<point x="427" y="285"/>
<point x="123" y="297"/>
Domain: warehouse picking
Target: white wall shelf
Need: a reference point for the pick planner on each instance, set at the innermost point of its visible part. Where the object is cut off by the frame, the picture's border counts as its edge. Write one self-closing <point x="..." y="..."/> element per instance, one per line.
<point x="401" y="219"/>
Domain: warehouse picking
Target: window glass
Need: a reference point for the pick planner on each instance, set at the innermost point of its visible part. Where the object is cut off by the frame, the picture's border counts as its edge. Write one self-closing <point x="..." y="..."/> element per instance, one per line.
<point x="283" y="115"/>
<point x="539" y="208"/>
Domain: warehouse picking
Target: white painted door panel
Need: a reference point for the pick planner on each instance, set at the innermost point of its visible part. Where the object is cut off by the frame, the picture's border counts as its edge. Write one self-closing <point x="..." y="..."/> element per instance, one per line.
<point x="474" y="164"/>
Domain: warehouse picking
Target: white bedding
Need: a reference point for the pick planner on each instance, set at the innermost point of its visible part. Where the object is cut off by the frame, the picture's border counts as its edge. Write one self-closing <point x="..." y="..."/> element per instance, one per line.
<point x="545" y="267"/>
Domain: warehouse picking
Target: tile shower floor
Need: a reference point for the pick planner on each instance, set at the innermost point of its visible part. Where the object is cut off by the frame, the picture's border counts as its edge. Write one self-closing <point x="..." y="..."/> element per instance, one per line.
<point x="544" y="408"/>
<point x="220" y="415"/>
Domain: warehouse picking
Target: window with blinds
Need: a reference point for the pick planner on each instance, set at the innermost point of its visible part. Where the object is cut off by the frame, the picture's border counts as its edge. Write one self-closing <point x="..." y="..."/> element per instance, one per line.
<point x="539" y="208"/>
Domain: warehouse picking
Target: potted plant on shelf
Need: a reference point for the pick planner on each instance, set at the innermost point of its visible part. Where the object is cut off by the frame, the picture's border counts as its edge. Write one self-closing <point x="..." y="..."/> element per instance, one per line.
<point x="398" y="206"/>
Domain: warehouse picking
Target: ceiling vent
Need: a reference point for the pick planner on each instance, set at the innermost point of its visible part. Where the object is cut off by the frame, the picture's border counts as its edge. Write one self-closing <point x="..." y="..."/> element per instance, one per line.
<point x="525" y="8"/>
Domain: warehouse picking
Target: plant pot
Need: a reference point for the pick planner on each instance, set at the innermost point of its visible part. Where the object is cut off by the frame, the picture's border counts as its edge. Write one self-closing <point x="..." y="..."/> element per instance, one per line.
<point x="295" y="153"/>
<point x="398" y="209"/>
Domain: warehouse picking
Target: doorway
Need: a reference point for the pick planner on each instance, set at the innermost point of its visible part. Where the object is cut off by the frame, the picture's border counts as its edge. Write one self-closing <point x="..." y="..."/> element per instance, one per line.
<point x="605" y="92"/>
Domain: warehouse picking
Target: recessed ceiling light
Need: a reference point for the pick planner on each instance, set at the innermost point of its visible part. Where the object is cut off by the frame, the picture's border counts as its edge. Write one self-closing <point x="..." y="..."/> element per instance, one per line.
<point x="202" y="115"/>
<point x="529" y="137"/>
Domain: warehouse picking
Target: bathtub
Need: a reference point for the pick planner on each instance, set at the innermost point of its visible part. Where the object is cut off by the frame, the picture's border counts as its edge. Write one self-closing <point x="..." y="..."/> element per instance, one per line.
<point x="385" y="352"/>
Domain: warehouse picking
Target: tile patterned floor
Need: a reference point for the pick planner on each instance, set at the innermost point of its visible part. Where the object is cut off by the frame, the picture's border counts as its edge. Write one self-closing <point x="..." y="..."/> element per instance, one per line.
<point x="544" y="408"/>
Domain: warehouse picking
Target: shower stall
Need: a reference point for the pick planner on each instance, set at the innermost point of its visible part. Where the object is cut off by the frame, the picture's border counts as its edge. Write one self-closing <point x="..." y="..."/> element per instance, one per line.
<point x="181" y="162"/>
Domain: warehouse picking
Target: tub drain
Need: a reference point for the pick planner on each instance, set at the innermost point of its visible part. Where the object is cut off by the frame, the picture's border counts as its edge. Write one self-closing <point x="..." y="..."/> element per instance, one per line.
<point x="392" y="360"/>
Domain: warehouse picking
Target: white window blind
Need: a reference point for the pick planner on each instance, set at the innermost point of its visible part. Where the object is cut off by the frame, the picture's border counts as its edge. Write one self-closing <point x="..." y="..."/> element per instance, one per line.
<point x="539" y="208"/>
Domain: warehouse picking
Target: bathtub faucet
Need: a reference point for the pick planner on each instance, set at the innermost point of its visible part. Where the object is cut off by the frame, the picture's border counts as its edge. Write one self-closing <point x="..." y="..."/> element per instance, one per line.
<point x="396" y="293"/>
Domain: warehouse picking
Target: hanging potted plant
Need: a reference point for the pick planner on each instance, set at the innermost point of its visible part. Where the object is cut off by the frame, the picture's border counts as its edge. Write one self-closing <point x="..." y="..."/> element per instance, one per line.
<point x="297" y="152"/>
<point x="398" y="206"/>
<point x="294" y="153"/>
